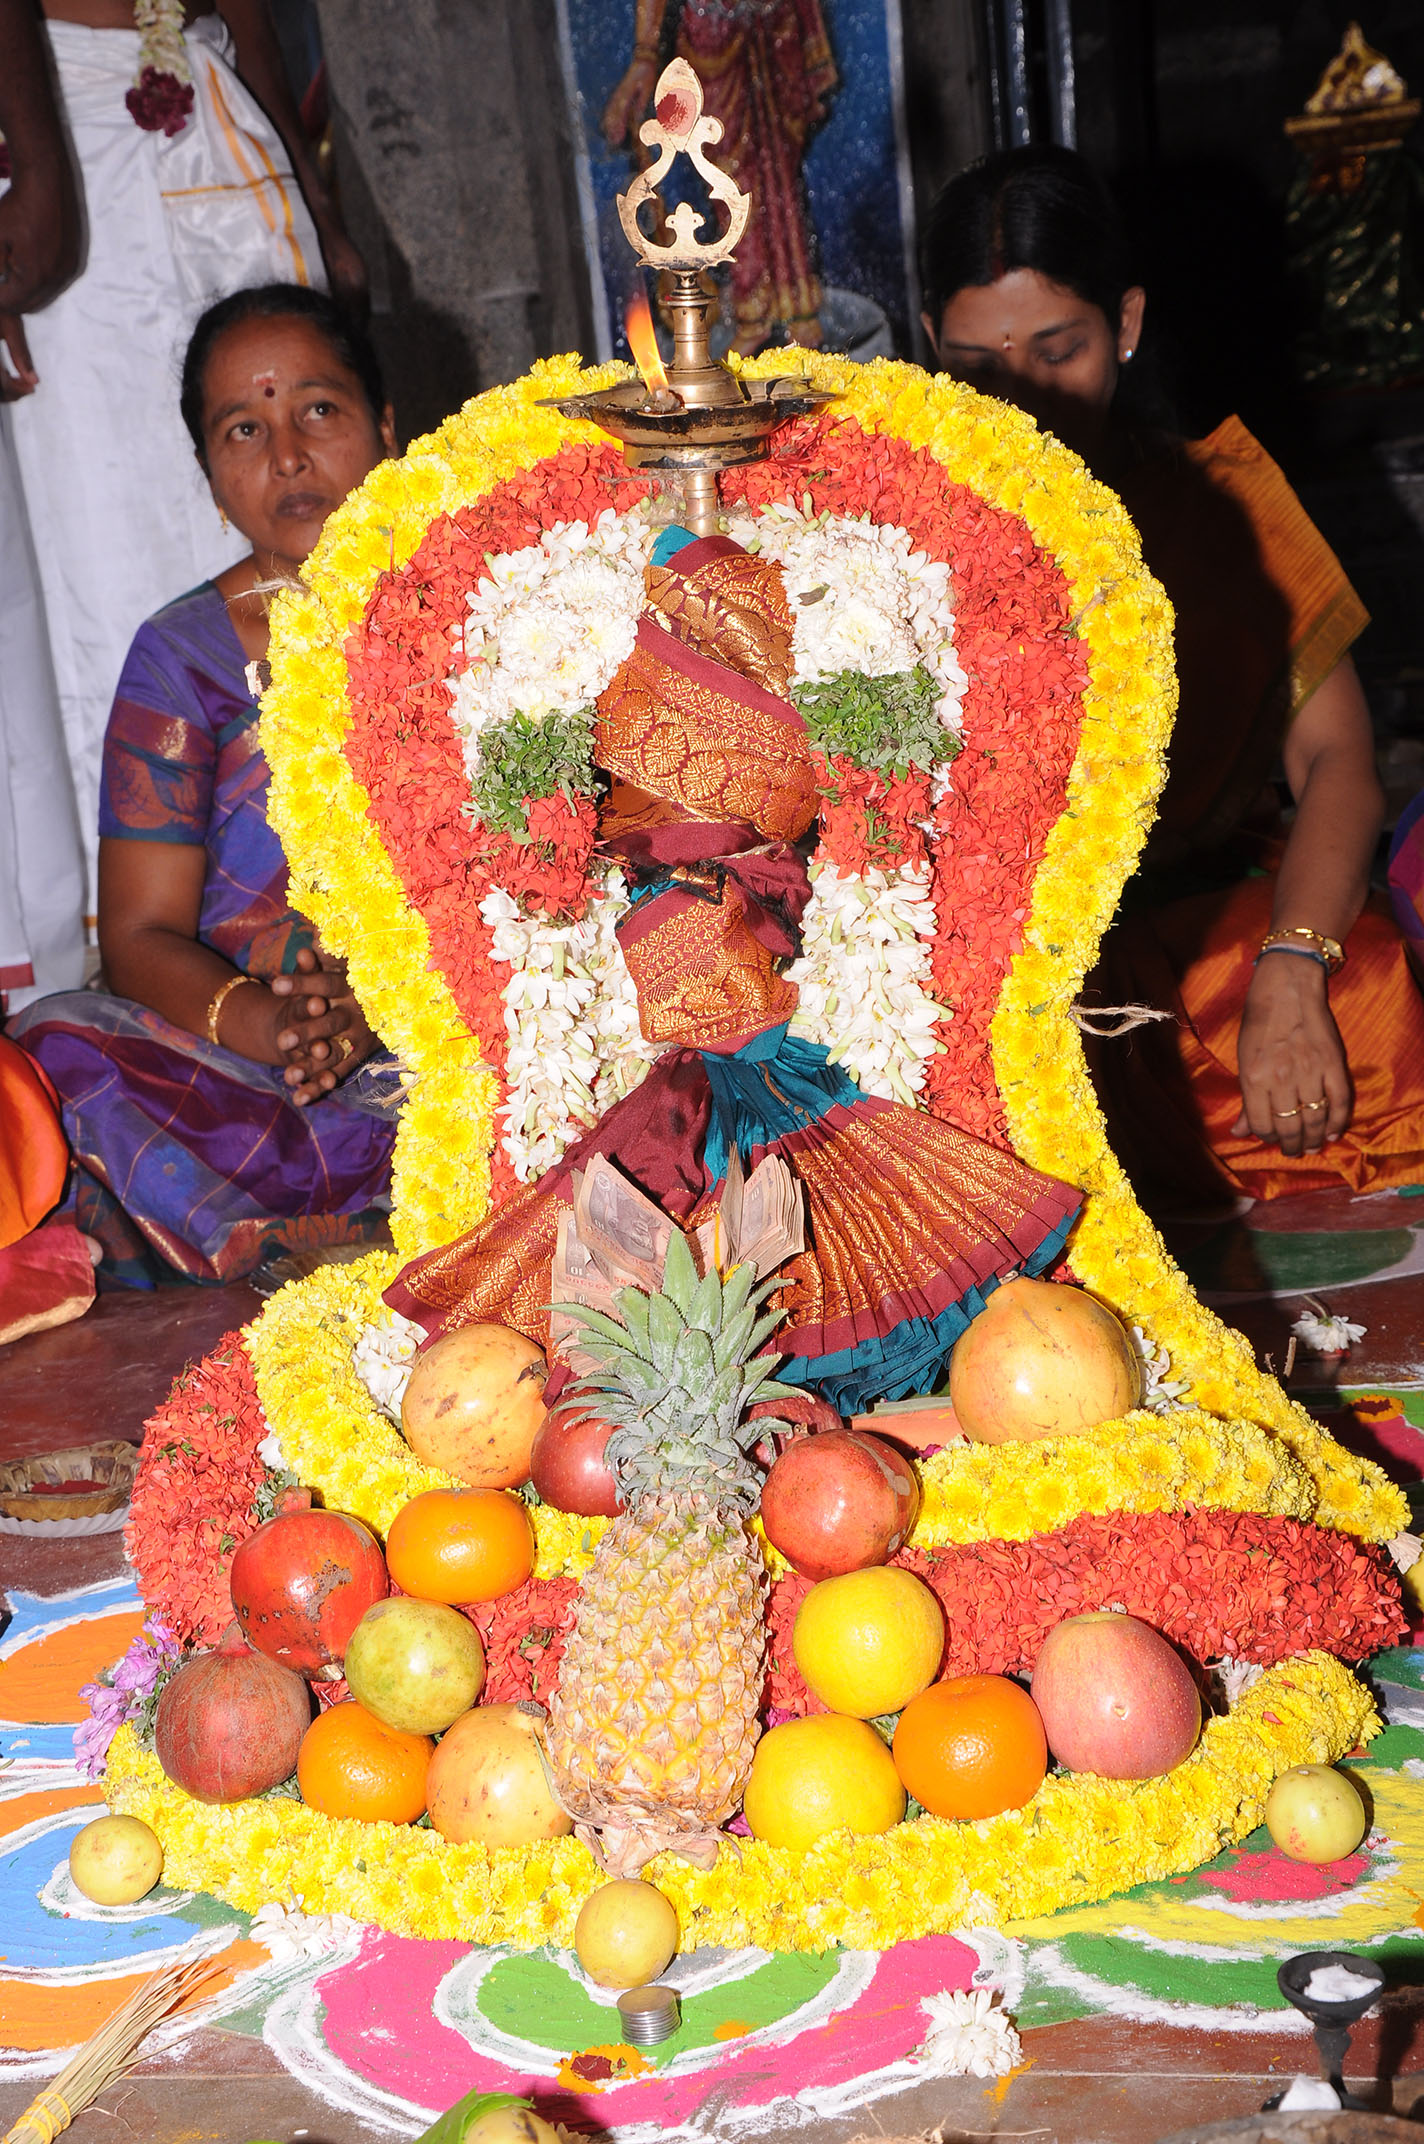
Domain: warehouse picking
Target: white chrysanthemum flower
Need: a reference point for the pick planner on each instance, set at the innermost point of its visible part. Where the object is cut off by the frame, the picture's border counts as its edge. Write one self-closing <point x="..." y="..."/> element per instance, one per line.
<point x="571" y="1014"/>
<point x="1326" y="1334"/>
<point x="1235" y="1677"/>
<point x="383" y="1356"/>
<point x="549" y="626"/>
<point x="969" y="2035"/>
<point x="864" y="975"/>
<point x="1162" y="1393"/>
<point x="288" y="1934"/>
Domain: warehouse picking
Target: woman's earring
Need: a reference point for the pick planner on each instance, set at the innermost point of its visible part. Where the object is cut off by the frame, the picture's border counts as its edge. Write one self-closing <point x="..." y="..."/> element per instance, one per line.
<point x="1127" y="357"/>
<point x="222" y="511"/>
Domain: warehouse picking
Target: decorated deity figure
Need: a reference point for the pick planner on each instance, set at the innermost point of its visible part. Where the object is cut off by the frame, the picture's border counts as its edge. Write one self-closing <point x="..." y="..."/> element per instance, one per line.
<point x="910" y="1221"/>
<point x="767" y="73"/>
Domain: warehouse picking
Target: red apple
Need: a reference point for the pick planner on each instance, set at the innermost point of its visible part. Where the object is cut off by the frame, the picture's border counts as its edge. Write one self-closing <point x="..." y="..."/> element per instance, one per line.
<point x="838" y="1501"/>
<point x="1116" y="1698"/>
<point x="567" y="1466"/>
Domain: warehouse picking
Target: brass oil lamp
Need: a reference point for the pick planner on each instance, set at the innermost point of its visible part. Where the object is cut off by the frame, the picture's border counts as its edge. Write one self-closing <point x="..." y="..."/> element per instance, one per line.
<point x="694" y="418"/>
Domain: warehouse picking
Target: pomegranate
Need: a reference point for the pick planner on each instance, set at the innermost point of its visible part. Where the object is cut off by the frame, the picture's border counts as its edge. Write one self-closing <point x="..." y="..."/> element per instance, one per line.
<point x="838" y="1502"/>
<point x="302" y="1582"/>
<point x="230" y="1722"/>
<point x="489" y="1780"/>
<point x="803" y="1410"/>
<point x="567" y="1466"/>
<point x="473" y="1404"/>
<point x="1042" y="1359"/>
<point x="1115" y="1697"/>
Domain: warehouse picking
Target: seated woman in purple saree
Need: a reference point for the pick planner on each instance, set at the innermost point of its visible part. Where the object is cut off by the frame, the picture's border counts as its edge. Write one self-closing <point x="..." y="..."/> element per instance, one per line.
<point x="217" y="1114"/>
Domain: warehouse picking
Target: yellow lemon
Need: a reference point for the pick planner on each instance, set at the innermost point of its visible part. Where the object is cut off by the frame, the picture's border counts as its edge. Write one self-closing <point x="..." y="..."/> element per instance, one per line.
<point x="626" y="1934"/>
<point x="824" y="1773"/>
<point x="870" y="1641"/>
<point x="116" y="1860"/>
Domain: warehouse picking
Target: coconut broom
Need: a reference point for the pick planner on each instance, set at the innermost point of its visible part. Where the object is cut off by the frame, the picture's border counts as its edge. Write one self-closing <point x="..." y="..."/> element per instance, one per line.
<point x="112" y="2050"/>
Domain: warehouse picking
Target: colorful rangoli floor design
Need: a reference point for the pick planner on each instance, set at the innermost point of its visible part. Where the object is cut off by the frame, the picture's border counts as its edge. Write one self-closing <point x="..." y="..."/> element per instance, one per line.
<point x="392" y="2030"/>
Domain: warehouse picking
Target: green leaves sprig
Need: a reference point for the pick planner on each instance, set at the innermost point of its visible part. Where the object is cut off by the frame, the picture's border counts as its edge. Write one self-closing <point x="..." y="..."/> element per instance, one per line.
<point x="888" y="723"/>
<point x="527" y="757"/>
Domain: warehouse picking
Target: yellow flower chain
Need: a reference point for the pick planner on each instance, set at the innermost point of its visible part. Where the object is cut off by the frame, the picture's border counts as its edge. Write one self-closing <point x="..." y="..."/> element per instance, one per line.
<point x="1081" y="1838"/>
<point x="337" y="1441"/>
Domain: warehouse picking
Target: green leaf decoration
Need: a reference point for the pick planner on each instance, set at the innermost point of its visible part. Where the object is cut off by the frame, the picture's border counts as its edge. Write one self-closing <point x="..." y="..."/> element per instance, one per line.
<point x="528" y="757"/>
<point x="888" y="723"/>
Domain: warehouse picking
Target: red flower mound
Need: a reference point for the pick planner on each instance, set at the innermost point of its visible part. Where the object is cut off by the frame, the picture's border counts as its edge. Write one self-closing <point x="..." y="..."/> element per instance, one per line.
<point x="198" y="1478"/>
<point x="524" y="1635"/>
<point x="1014" y="636"/>
<point x="1221" y="1584"/>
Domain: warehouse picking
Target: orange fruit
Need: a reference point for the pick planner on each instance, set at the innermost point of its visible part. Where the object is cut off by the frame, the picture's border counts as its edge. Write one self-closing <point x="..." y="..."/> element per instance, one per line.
<point x="460" y="1545"/>
<point x="351" y="1765"/>
<point x="971" y="1746"/>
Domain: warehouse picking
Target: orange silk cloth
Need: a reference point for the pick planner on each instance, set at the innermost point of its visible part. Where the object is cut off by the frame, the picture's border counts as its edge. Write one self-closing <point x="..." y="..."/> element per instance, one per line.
<point x="1264" y="614"/>
<point x="1170" y="1092"/>
<point x="697" y="718"/>
<point x="34" y="1153"/>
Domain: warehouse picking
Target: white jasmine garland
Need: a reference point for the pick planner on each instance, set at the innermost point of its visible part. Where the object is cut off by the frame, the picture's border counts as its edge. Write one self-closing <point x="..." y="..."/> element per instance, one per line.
<point x="383" y="1356"/>
<point x="863" y="598"/>
<point x="1162" y="1393"/>
<point x="864" y="973"/>
<point x="549" y="626"/>
<point x="571" y="1014"/>
<point x="969" y="2035"/>
<point x="1235" y="1677"/>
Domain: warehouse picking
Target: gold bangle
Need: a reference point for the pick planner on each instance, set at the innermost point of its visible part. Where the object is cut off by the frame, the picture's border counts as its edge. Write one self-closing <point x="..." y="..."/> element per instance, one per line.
<point x="225" y="990"/>
<point x="1328" y="951"/>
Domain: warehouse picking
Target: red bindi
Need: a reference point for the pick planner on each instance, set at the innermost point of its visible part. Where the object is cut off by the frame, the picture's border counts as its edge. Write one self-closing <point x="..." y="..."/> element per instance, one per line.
<point x="269" y="392"/>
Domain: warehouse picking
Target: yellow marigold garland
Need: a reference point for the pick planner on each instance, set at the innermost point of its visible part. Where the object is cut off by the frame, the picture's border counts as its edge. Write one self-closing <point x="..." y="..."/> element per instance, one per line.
<point x="342" y="877"/>
<point x="1080" y="1839"/>
<point x="336" y="1440"/>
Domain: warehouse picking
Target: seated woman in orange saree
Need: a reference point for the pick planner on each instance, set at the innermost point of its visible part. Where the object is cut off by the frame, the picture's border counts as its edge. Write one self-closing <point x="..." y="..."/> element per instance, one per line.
<point x="1265" y="621"/>
<point x="910" y="1222"/>
<point x="46" y="1274"/>
<point x="1275" y="1072"/>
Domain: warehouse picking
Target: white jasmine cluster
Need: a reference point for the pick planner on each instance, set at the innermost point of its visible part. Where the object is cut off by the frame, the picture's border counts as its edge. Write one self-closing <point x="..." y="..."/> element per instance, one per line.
<point x="550" y="625"/>
<point x="864" y="974"/>
<point x="969" y="2036"/>
<point x="863" y="599"/>
<point x="571" y="1014"/>
<point x="382" y="1359"/>
<point x="1162" y="1393"/>
<point x="287" y="1934"/>
<point x="1235" y="1677"/>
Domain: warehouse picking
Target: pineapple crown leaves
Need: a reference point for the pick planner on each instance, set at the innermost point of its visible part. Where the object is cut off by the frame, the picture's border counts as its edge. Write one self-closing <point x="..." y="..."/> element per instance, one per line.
<point x="676" y="1379"/>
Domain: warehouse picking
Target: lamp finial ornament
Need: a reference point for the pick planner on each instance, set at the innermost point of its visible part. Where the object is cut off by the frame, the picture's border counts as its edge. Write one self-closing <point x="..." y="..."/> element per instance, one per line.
<point x="679" y="126"/>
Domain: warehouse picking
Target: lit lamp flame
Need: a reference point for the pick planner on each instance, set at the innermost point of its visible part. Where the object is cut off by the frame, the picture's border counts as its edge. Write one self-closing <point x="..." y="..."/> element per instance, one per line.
<point x="638" y="327"/>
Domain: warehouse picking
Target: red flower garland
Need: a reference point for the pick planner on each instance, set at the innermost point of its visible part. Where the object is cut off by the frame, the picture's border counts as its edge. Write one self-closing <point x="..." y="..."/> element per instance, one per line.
<point x="198" y="1479"/>
<point x="1220" y="1584"/>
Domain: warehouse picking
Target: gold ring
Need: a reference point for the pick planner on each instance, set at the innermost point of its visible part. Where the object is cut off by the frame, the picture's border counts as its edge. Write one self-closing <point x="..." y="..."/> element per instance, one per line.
<point x="346" y="1047"/>
<point x="1323" y="1103"/>
<point x="1285" y="1112"/>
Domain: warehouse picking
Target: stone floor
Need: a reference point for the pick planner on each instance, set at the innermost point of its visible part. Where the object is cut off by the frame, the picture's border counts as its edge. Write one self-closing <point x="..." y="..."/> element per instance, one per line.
<point x="1094" y="2082"/>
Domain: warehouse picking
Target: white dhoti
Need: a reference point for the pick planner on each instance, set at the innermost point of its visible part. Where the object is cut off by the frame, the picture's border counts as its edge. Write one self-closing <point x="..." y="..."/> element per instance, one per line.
<point x="41" y="857"/>
<point x="118" y="509"/>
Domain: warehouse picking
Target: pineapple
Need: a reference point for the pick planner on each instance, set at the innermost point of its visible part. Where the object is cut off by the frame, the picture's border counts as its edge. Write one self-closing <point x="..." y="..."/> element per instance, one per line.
<point x="652" y="1726"/>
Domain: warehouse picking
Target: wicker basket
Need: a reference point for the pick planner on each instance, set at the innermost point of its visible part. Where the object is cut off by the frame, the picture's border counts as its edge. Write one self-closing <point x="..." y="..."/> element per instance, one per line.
<point x="102" y="1474"/>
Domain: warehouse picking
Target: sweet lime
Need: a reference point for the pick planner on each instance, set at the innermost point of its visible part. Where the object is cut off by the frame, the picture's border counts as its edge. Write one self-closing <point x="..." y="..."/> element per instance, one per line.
<point x="869" y="1641"/>
<point x="626" y="1934"/>
<point x="824" y="1773"/>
